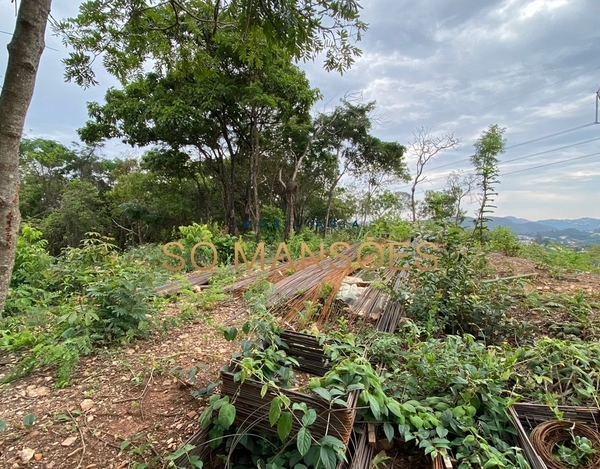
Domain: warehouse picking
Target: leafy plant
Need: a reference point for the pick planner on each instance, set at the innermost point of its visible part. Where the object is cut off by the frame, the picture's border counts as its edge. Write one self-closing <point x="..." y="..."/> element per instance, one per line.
<point x="576" y="452"/>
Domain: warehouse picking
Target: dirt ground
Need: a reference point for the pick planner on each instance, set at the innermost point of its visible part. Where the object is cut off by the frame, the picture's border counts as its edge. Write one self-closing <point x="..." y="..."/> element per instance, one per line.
<point x="118" y="395"/>
<point x="129" y="404"/>
<point x="552" y="319"/>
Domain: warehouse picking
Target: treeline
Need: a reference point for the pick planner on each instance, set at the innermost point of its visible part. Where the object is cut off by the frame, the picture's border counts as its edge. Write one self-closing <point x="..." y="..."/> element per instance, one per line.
<point x="68" y="191"/>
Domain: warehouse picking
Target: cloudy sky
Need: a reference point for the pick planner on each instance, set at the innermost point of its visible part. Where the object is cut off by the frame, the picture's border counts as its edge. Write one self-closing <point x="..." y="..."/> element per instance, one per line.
<point x="452" y="66"/>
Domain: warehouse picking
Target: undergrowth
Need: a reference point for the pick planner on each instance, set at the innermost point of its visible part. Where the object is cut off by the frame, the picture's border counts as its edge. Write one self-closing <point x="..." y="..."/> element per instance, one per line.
<point x="60" y="308"/>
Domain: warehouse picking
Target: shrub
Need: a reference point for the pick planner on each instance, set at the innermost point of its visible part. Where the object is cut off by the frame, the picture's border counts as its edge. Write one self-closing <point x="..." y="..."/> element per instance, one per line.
<point x="503" y="240"/>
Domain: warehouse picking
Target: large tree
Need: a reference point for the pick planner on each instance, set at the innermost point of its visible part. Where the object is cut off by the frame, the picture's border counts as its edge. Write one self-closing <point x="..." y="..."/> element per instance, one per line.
<point x="220" y="118"/>
<point x="130" y="33"/>
<point x="24" y="53"/>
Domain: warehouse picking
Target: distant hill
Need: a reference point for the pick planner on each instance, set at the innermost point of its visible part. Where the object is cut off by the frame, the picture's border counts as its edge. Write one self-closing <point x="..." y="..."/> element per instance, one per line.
<point x="517" y="225"/>
<point x="580" y="232"/>
<point x="518" y="221"/>
<point x="581" y="224"/>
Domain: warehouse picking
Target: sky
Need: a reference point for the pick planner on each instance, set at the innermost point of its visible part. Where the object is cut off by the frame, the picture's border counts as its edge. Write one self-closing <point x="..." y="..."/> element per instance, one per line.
<point x="458" y="66"/>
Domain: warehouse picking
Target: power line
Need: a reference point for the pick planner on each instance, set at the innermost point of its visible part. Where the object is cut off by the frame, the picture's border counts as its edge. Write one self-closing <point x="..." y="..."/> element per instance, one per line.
<point x="47" y="47"/>
<point x="547" y="115"/>
<point x="556" y="134"/>
<point x="533" y="167"/>
<point x="519" y="145"/>
<point x="551" y="164"/>
<point x="549" y="151"/>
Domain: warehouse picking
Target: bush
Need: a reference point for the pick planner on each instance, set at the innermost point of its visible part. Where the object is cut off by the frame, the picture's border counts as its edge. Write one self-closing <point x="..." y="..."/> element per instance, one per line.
<point x="32" y="259"/>
<point x="92" y="294"/>
<point x="562" y="258"/>
<point x="503" y="240"/>
<point x="452" y="297"/>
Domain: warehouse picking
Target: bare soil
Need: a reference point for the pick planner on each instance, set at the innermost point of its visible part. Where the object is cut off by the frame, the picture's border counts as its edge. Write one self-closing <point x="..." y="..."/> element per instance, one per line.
<point x="122" y="401"/>
<point x="551" y="320"/>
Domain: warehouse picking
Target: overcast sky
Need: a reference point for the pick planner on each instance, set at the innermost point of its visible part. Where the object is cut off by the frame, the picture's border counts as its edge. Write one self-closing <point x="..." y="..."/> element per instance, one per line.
<point x="453" y="66"/>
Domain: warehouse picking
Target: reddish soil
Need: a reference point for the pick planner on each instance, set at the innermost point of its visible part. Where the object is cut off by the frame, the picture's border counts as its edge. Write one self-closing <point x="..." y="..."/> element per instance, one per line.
<point x="117" y="395"/>
<point x="548" y="312"/>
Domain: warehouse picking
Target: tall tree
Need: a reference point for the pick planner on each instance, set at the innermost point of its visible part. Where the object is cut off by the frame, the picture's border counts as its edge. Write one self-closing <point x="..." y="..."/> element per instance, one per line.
<point x="24" y="53"/>
<point x="485" y="159"/>
<point x="424" y="147"/>
<point x="128" y="33"/>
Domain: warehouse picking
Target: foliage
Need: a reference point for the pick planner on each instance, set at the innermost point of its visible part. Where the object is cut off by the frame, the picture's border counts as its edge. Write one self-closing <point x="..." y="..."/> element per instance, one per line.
<point x="559" y="258"/>
<point x="32" y="259"/>
<point x="485" y="160"/>
<point x="87" y="295"/>
<point x="503" y="240"/>
<point x="132" y="33"/>
<point x="452" y="297"/>
<point x="576" y="452"/>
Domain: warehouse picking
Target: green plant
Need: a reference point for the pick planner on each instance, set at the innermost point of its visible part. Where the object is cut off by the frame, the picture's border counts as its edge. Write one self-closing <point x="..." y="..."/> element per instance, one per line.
<point x="576" y="452"/>
<point x="452" y="297"/>
<point x="94" y="295"/>
<point x="28" y="420"/>
<point x="559" y="258"/>
<point x="503" y="240"/>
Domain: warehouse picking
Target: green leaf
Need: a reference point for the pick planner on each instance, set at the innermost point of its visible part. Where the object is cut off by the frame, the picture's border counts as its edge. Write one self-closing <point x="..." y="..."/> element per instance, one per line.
<point x="328" y="457"/>
<point x="125" y="445"/>
<point x="324" y="393"/>
<point x="274" y="411"/>
<point x="441" y="431"/>
<point x="263" y="390"/>
<point x="226" y="415"/>
<point x="206" y="417"/>
<point x="230" y="334"/>
<point x="374" y="405"/>
<point x="329" y="440"/>
<point x="303" y="441"/>
<point x="388" y="429"/>
<point x="2" y="425"/>
<point x="408" y="408"/>
<point x="309" y="418"/>
<point x="28" y="420"/>
<point x="284" y="426"/>
<point x="416" y="421"/>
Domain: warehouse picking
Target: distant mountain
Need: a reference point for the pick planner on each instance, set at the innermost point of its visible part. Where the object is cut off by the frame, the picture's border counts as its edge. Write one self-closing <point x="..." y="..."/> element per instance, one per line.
<point x="581" y="232"/>
<point x="521" y="226"/>
<point x="581" y="224"/>
<point x="518" y="221"/>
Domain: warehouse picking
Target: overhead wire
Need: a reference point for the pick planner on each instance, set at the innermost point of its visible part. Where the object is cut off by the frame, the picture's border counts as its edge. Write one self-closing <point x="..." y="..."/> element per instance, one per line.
<point x="539" y="139"/>
<point x="520" y="158"/>
<point x="552" y="164"/>
<point x="540" y="166"/>
<point x="519" y="145"/>
<point x="47" y="47"/>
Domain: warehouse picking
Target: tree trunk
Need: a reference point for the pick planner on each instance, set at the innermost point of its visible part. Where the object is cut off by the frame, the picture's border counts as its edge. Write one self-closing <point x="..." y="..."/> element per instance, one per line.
<point x="254" y="173"/>
<point x="330" y="197"/>
<point x="24" y="53"/>
<point x="413" y="204"/>
<point x="290" y="196"/>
